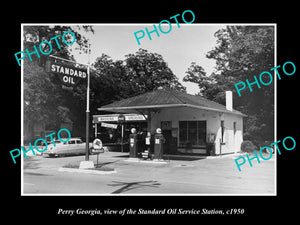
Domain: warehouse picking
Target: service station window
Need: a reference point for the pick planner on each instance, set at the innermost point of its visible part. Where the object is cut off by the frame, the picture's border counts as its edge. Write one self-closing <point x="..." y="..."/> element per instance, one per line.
<point x="222" y="131"/>
<point x="192" y="132"/>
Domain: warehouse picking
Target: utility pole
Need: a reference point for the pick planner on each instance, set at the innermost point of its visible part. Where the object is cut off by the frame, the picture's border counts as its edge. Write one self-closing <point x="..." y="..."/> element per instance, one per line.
<point x="87" y="133"/>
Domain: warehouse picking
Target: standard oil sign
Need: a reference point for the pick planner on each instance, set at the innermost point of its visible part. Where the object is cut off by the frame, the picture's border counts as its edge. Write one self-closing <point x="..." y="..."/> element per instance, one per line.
<point x="69" y="75"/>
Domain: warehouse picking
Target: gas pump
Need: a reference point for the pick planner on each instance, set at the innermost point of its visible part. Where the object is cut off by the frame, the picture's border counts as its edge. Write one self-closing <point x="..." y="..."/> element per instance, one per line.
<point x="146" y="154"/>
<point x="133" y="141"/>
<point x="159" y="140"/>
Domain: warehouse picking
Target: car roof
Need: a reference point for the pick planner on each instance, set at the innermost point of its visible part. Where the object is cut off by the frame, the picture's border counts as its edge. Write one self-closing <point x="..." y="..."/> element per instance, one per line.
<point x="75" y="138"/>
<point x="71" y="139"/>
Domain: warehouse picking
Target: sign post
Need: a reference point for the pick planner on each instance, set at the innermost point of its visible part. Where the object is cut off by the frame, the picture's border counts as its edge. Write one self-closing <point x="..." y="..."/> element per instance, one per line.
<point x="87" y="108"/>
<point x="121" y="120"/>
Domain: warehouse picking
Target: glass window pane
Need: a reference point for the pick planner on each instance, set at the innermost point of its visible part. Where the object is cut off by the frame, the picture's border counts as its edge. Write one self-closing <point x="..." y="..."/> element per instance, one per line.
<point x="192" y="132"/>
<point x="201" y="132"/>
<point x="182" y="132"/>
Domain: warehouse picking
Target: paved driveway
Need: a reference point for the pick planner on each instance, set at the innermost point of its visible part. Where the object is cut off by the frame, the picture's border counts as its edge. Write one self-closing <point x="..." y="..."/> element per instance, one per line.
<point x="193" y="176"/>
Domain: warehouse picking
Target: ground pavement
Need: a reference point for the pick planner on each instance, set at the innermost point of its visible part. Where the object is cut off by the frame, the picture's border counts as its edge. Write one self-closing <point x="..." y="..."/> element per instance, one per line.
<point x="212" y="176"/>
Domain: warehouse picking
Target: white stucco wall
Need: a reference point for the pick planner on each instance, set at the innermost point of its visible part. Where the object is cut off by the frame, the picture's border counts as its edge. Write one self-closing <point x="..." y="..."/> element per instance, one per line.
<point x="231" y="142"/>
<point x="213" y="123"/>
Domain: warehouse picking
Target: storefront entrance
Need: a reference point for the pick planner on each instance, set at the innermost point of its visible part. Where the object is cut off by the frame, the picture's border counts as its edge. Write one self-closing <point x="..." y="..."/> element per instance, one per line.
<point x="115" y="135"/>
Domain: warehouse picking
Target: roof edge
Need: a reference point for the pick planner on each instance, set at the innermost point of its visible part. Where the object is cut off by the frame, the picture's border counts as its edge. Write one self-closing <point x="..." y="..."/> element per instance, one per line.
<point x="170" y="106"/>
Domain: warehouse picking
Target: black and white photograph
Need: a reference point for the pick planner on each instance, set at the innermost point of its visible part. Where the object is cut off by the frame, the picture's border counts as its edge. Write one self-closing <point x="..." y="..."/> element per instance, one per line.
<point x="149" y="111"/>
<point x="129" y="109"/>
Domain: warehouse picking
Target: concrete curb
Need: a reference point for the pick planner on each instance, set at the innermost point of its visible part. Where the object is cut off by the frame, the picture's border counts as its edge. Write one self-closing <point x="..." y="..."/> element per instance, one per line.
<point x="75" y="170"/>
<point x="233" y="155"/>
<point x="155" y="161"/>
<point x="184" y="156"/>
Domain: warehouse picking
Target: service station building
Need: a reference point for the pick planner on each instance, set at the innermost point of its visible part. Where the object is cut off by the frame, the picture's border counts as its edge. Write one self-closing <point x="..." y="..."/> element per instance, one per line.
<point x="190" y="124"/>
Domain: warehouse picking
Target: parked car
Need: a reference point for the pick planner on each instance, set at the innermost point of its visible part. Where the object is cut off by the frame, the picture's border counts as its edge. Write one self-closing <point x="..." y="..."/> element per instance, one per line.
<point x="75" y="146"/>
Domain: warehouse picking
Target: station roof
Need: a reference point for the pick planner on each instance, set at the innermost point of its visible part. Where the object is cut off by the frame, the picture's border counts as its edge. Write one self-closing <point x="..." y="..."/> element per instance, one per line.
<point x="165" y="98"/>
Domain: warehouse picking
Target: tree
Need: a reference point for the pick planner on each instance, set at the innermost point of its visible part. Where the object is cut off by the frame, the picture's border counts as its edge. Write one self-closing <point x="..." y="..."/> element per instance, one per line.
<point x="109" y="82"/>
<point x="44" y="99"/>
<point x="137" y="74"/>
<point x="196" y="74"/>
<point x="241" y="53"/>
<point x="149" y="71"/>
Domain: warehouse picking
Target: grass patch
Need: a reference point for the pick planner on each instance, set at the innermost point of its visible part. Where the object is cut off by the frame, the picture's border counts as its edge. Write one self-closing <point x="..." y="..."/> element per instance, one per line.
<point x="102" y="168"/>
<point x="71" y="165"/>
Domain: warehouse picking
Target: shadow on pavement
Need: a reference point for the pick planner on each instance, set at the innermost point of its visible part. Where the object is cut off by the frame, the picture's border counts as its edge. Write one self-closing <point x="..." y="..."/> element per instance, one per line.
<point x="122" y="156"/>
<point x="105" y="163"/>
<point x="126" y="186"/>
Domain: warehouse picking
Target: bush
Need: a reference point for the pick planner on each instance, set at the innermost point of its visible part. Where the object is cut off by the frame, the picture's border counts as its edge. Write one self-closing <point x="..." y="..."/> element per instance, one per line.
<point x="248" y="146"/>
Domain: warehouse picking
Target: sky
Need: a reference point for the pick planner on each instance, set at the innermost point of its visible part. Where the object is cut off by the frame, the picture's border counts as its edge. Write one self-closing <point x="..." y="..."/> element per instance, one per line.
<point x="179" y="48"/>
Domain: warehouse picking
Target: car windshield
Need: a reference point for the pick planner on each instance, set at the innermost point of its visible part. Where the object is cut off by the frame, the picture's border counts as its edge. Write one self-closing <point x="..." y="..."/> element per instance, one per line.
<point x="56" y="142"/>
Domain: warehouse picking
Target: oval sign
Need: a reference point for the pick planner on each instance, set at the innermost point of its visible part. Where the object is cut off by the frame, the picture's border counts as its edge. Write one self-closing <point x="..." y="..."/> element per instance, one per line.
<point x="121" y="118"/>
<point x="97" y="146"/>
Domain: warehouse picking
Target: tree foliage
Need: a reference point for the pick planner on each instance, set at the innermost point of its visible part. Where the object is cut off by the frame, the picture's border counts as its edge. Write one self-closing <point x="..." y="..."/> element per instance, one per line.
<point x="138" y="73"/>
<point x="149" y="71"/>
<point x="196" y="74"/>
<point x="242" y="52"/>
<point x="44" y="99"/>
